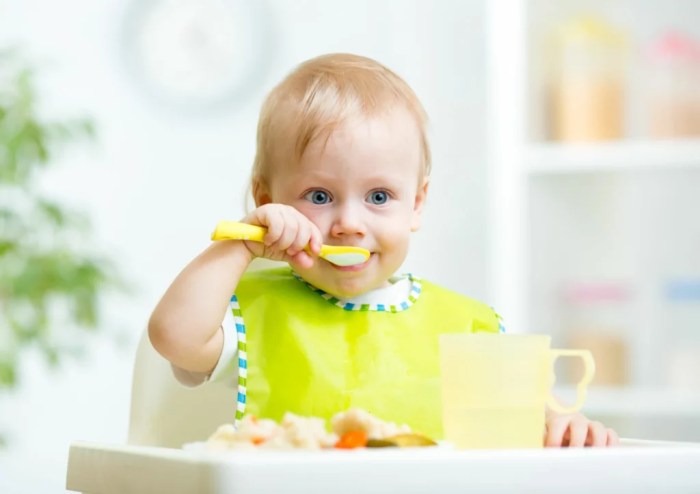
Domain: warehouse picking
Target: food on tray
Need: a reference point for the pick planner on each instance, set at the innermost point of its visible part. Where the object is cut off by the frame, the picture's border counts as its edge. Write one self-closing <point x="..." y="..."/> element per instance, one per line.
<point x="358" y="419"/>
<point x="292" y="432"/>
<point x="351" y="429"/>
<point x="401" y="441"/>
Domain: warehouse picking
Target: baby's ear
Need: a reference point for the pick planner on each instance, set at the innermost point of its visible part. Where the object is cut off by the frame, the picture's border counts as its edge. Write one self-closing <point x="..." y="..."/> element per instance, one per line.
<point x="418" y="204"/>
<point x="261" y="195"/>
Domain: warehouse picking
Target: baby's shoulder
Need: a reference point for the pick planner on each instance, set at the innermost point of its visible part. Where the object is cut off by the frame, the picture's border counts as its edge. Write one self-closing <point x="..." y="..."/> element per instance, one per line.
<point x="444" y="292"/>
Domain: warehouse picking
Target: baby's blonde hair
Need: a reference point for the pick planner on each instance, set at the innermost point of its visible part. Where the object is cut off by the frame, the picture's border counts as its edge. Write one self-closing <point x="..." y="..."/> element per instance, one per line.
<point x="319" y="95"/>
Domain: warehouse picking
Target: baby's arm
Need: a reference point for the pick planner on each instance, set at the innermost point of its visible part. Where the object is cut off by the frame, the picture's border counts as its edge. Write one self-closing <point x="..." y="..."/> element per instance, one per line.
<point x="185" y="326"/>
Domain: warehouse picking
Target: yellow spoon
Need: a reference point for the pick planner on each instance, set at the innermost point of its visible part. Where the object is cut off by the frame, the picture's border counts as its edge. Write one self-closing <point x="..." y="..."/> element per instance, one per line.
<point x="340" y="255"/>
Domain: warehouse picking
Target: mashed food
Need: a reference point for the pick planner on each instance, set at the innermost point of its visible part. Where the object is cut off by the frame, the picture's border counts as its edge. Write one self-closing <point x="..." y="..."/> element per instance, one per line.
<point x="349" y="429"/>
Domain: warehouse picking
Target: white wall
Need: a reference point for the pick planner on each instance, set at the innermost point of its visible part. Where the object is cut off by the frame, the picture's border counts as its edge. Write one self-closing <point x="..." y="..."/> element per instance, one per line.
<point x="157" y="182"/>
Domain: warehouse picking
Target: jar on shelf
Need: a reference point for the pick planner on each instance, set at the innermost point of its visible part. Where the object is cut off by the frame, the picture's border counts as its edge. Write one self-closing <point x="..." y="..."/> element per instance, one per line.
<point x="596" y="317"/>
<point x="681" y="322"/>
<point x="587" y="81"/>
<point x="673" y="86"/>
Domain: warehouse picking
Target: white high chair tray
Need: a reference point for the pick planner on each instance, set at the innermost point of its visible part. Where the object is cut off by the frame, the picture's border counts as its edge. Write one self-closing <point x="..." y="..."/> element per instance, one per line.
<point x="634" y="467"/>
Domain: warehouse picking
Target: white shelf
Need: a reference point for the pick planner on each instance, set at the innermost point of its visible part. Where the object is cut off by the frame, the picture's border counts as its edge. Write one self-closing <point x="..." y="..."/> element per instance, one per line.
<point x="617" y="156"/>
<point x="636" y="401"/>
<point x="529" y="181"/>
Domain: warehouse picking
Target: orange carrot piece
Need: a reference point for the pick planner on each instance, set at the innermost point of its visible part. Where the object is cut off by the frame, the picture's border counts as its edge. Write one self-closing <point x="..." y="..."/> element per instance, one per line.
<point x="352" y="439"/>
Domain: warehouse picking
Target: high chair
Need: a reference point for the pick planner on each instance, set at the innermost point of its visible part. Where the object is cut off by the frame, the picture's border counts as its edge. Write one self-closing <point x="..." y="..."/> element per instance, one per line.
<point x="166" y="413"/>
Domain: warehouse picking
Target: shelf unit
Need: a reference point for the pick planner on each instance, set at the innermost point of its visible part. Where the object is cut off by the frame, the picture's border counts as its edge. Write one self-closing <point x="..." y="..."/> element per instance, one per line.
<point x="638" y="155"/>
<point x="517" y="169"/>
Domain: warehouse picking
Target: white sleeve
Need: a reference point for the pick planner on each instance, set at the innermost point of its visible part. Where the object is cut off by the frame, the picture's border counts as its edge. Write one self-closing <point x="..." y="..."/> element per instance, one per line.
<point x="226" y="369"/>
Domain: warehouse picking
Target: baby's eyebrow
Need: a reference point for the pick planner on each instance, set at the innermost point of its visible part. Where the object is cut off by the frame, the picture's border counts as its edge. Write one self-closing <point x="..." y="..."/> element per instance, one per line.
<point x="385" y="181"/>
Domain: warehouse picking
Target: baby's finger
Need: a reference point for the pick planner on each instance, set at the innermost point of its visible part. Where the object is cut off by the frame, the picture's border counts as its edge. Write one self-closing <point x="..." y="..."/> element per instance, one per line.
<point x="302" y="260"/>
<point x="302" y="238"/>
<point x="273" y="220"/>
<point x="613" y="439"/>
<point x="289" y="233"/>
<point x="578" y="432"/>
<point x="316" y="238"/>
<point x="286" y="240"/>
<point x="597" y="435"/>
<point x="555" y="433"/>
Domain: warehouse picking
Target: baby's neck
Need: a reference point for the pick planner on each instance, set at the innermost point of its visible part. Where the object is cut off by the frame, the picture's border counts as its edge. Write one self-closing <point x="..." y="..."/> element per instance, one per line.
<point x="393" y="293"/>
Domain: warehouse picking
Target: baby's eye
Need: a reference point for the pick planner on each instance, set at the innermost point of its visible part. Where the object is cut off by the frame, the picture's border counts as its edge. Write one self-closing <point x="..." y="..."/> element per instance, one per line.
<point x="317" y="197"/>
<point x="378" y="197"/>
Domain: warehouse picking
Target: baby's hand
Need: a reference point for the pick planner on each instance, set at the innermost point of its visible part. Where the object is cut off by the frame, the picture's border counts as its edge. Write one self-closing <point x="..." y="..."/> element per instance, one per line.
<point x="288" y="233"/>
<point x="575" y="430"/>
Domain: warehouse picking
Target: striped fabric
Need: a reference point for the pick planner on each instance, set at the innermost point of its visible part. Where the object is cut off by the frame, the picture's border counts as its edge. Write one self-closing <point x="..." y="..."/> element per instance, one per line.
<point x="413" y="295"/>
<point x="501" y="327"/>
<point x="242" y="359"/>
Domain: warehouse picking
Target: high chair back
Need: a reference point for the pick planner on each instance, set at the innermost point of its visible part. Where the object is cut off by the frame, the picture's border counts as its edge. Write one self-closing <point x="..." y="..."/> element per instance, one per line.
<point x="166" y="413"/>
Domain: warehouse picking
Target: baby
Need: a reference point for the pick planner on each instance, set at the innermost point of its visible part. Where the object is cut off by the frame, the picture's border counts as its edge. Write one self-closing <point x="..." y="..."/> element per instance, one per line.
<point x="342" y="159"/>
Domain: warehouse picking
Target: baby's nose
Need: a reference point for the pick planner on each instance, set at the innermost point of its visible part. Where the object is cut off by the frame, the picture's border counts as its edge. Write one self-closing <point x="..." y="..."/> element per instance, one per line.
<point x="348" y="221"/>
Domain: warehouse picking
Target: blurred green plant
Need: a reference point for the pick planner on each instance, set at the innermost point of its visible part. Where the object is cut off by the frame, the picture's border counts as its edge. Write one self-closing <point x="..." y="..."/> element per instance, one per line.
<point x="50" y="284"/>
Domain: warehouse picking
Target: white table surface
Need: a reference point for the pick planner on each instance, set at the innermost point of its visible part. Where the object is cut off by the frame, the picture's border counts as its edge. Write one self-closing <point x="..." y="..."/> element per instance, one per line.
<point x="633" y="467"/>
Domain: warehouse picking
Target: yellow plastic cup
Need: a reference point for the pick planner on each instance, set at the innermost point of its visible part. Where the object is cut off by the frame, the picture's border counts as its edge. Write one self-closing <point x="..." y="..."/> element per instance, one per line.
<point x="495" y="388"/>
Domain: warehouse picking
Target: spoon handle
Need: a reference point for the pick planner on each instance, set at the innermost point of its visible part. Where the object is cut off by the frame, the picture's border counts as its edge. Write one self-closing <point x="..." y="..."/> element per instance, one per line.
<point x="231" y="230"/>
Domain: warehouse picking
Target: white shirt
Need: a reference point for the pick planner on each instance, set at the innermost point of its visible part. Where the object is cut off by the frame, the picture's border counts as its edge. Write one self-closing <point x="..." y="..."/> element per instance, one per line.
<point x="225" y="369"/>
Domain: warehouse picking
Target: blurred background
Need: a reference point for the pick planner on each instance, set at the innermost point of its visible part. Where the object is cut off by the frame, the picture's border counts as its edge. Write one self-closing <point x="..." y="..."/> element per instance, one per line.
<point x="566" y="150"/>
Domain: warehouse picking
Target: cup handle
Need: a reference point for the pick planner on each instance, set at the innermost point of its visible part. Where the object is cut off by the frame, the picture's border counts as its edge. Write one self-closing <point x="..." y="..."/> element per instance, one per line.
<point x="581" y="387"/>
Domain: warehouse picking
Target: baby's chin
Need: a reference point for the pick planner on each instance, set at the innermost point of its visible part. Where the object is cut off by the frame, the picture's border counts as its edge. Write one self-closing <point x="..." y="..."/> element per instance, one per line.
<point x="344" y="288"/>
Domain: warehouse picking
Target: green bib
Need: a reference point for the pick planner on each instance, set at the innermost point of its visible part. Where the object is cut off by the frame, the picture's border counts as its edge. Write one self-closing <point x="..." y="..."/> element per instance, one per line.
<point x="301" y="350"/>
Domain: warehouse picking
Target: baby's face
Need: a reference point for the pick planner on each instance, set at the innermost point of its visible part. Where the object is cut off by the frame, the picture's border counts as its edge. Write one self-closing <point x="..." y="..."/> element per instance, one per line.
<point x="364" y="188"/>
